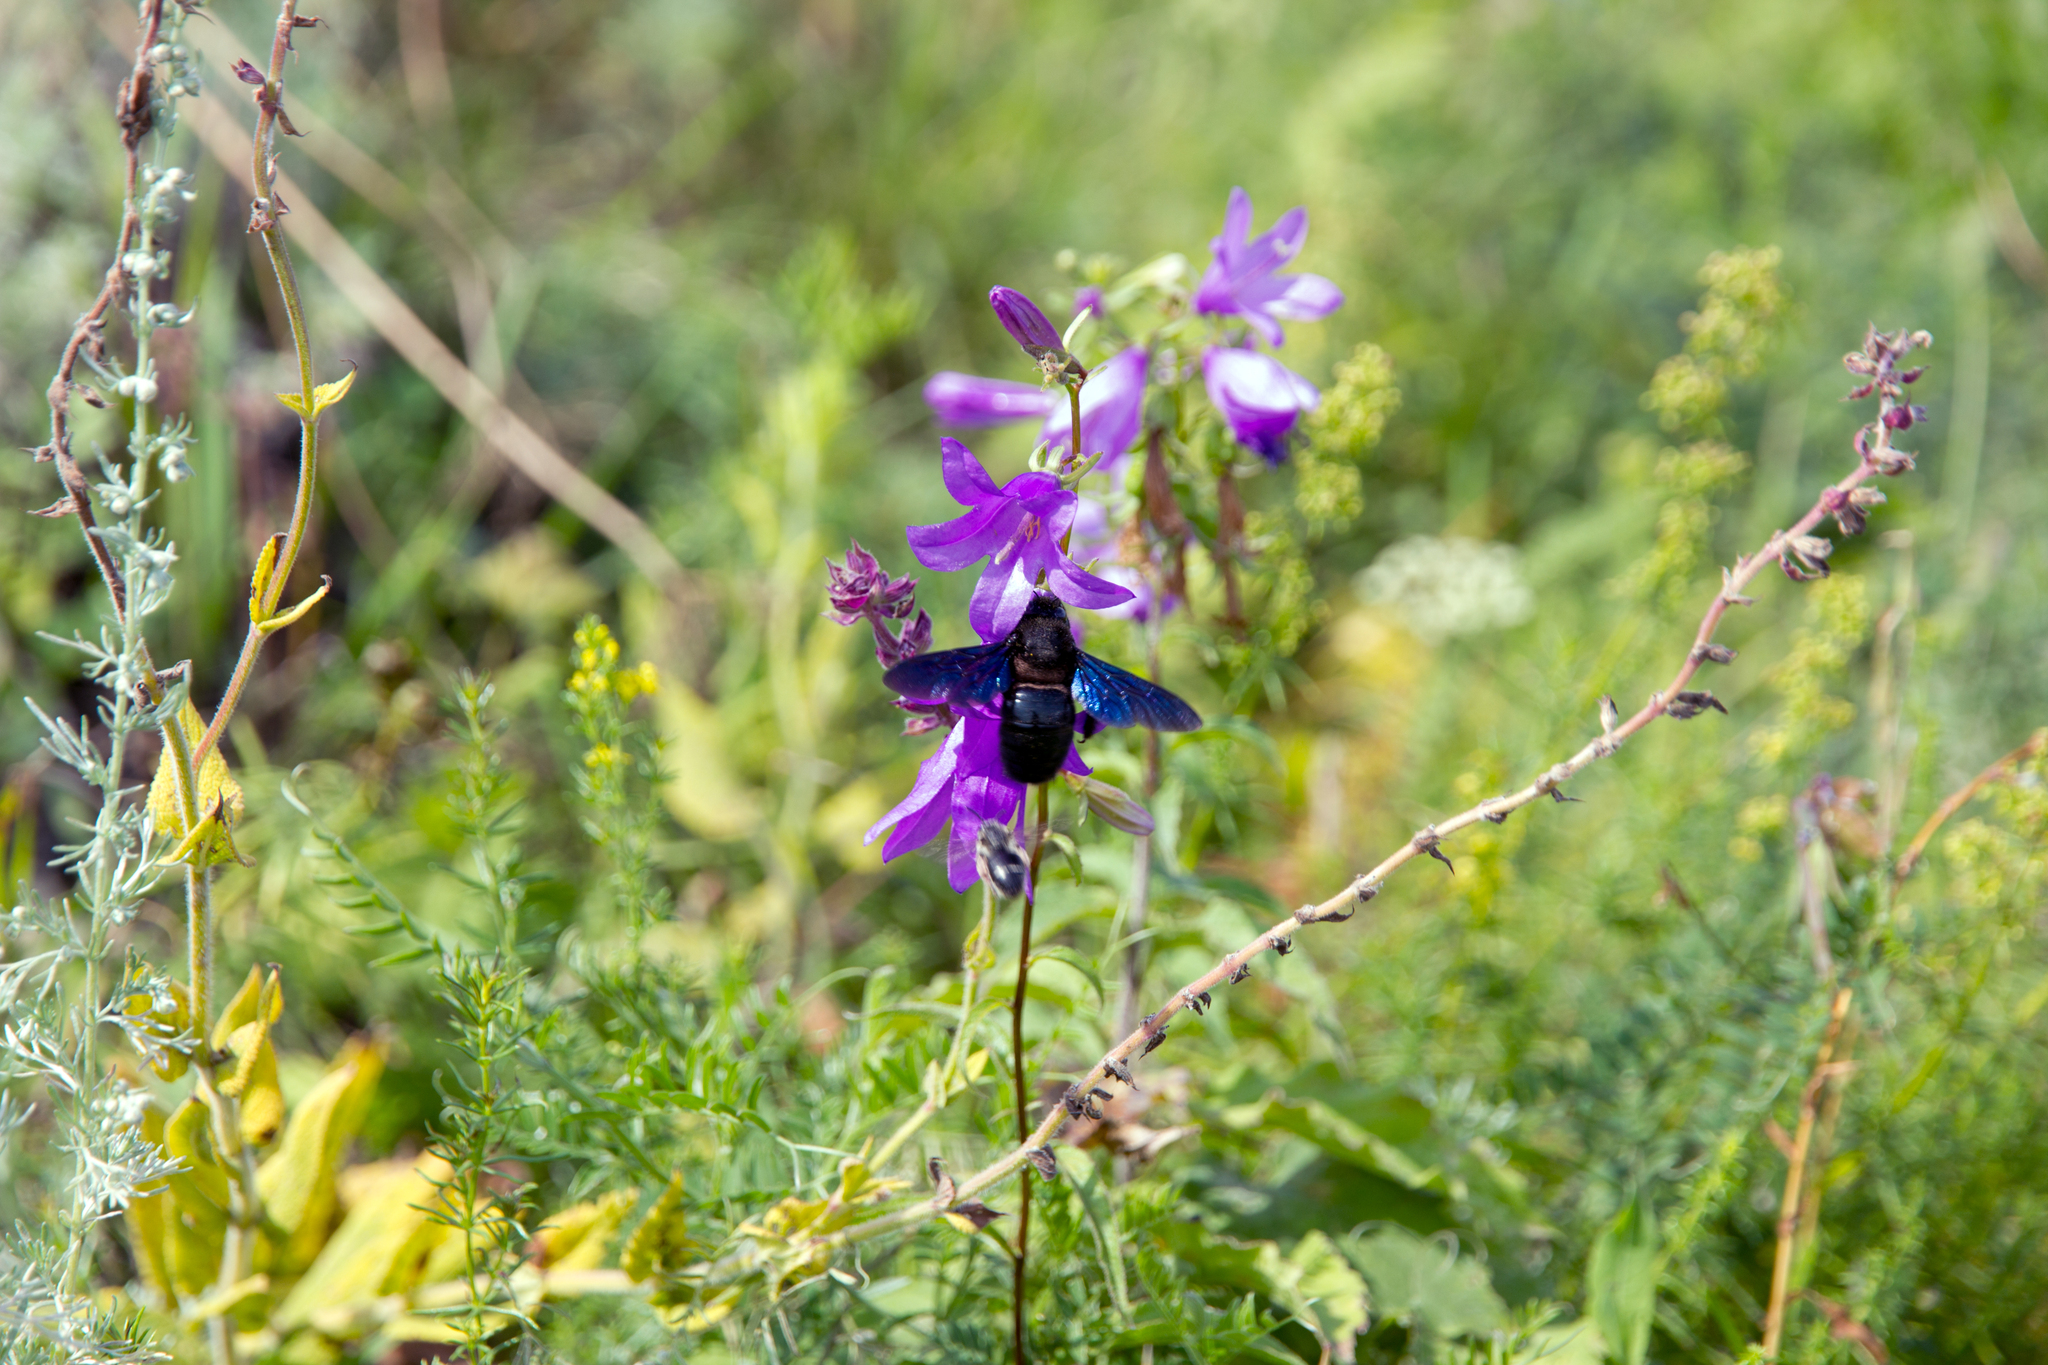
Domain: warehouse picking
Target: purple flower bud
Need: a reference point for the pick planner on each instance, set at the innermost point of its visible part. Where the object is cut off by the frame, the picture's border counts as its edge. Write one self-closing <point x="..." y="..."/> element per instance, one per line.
<point x="1910" y="375"/>
<point x="1898" y="418"/>
<point x="1858" y="363"/>
<point x="1861" y="391"/>
<point x="247" y="74"/>
<point x="1022" y="320"/>
<point x="861" y="587"/>
<point x="1088" y="299"/>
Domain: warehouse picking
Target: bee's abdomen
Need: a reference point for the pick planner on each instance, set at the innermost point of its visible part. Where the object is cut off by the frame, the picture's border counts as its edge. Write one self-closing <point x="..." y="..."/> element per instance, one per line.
<point x="1037" y="731"/>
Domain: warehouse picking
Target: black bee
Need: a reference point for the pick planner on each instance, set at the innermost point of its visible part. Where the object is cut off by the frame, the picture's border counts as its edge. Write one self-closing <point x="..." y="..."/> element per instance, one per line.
<point x="1043" y="680"/>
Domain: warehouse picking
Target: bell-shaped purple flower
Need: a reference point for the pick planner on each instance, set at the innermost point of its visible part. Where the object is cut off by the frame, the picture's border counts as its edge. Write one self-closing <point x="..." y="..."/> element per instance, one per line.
<point x="1112" y="408"/>
<point x="963" y="782"/>
<point x="1017" y="528"/>
<point x="968" y="400"/>
<point x="1241" y="279"/>
<point x="1260" y="398"/>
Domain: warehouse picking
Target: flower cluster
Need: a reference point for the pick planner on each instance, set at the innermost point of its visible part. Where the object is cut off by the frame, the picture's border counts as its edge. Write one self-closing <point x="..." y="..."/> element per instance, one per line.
<point x="596" y="653"/>
<point x="1027" y="534"/>
<point x="1258" y="398"/>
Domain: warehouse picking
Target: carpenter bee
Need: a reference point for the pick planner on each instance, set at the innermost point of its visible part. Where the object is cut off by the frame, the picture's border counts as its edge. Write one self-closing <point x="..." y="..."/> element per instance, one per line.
<point x="1043" y="681"/>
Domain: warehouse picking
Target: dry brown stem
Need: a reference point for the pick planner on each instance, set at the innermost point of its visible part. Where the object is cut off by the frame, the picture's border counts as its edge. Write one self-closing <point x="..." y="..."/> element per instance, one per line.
<point x="1825" y="1069"/>
<point x="1997" y="772"/>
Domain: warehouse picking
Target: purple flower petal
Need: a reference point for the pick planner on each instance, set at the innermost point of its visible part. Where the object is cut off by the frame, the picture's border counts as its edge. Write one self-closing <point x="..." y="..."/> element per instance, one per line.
<point x="965" y="478"/>
<point x="1307" y="299"/>
<point x="968" y="400"/>
<point x="928" y="794"/>
<point x="958" y="543"/>
<point x="1077" y="587"/>
<point x="1000" y="596"/>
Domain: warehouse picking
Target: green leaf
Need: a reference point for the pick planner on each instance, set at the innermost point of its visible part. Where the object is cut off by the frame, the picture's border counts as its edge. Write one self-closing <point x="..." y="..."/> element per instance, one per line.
<point x="1059" y="952"/>
<point x="1621" y="1280"/>
<point x="1427" y="1281"/>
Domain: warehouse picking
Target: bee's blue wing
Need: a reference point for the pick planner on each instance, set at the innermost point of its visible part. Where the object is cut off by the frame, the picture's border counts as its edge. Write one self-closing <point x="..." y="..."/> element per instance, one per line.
<point x="1115" y="697"/>
<point x="975" y="676"/>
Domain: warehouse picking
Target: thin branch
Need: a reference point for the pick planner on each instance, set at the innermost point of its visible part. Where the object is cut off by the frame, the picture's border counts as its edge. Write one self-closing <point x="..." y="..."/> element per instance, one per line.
<point x="1997" y="772"/>
<point x="1824" y="1070"/>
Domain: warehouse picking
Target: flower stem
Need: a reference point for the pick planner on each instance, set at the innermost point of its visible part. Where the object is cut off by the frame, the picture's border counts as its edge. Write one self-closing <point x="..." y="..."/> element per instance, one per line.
<point x="1017" y="1054"/>
<point x="264" y="218"/>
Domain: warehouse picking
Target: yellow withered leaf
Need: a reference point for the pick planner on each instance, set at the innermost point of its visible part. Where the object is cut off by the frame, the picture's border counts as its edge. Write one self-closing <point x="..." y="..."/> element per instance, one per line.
<point x="146" y="1215"/>
<point x="219" y="797"/>
<point x="262" y="1107"/>
<point x="197" y="1218"/>
<point x="297" y="1181"/>
<point x="661" y="1243"/>
<point x="259" y="1001"/>
<point x="578" y="1237"/>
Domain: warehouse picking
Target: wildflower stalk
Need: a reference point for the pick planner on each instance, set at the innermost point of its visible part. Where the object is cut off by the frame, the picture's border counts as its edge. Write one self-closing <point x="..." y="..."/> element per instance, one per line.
<point x="1017" y="1040"/>
<point x="265" y="210"/>
<point x="1792" y="548"/>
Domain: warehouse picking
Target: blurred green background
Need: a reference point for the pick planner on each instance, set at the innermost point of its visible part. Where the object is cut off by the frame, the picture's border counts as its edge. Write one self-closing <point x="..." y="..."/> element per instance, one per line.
<point x="713" y="249"/>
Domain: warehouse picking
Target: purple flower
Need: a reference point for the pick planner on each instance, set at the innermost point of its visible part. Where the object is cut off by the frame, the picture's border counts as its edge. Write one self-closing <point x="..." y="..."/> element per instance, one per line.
<point x="1112" y="408"/>
<point x="1112" y="405"/>
<point x="968" y="400"/>
<point x="1259" y="397"/>
<point x="1029" y="327"/>
<point x="1240" y="280"/>
<point x="861" y="589"/>
<point x="1017" y="528"/>
<point x="963" y="782"/>
<point x="1088" y="299"/>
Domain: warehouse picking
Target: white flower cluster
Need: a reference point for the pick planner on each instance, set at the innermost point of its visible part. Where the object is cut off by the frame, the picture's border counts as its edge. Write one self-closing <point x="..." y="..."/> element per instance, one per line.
<point x="1449" y="585"/>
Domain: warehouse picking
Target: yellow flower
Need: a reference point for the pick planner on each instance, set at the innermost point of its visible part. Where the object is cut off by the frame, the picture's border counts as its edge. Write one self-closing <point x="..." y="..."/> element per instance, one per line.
<point x="637" y="681"/>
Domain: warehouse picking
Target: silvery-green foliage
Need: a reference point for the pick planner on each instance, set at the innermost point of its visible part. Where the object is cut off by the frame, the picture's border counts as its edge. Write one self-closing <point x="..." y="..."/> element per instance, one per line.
<point x="58" y="999"/>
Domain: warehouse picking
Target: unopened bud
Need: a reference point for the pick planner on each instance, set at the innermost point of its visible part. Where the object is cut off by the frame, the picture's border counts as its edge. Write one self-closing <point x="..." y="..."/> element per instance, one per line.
<point x="1714" y="653"/>
<point x="1686" y="705"/>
